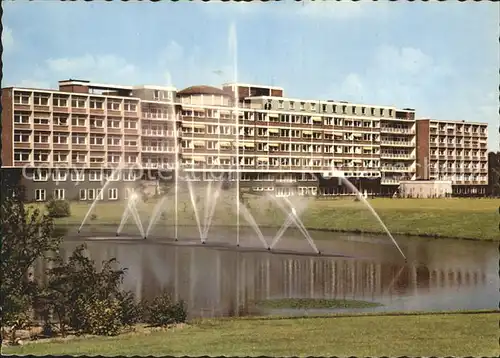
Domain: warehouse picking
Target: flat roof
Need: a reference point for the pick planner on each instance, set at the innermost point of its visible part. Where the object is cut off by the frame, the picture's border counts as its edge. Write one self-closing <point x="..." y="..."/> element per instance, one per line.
<point x="452" y="121"/>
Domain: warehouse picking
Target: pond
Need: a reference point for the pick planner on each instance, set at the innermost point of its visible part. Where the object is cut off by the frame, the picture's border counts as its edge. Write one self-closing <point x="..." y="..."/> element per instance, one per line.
<point x="440" y="275"/>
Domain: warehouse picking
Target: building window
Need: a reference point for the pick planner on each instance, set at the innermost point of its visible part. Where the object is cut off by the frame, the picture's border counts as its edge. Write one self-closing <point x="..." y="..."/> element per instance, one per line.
<point x="60" y="157"/>
<point x="113" y="194"/>
<point x="130" y="107"/>
<point x="130" y="124"/>
<point x="41" y="137"/>
<point x="60" y="120"/>
<point x="83" y="194"/>
<point x="21" y="98"/>
<point x="40" y="156"/>
<point x="22" y="155"/>
<point x="58" y="194"/>
<point x="60" y="138"/>
<point x="96" y="140"/>
<point x="91" y="194"/>
<point x="21" y="137"/>
<point x="114" y="158"/>
<point x="60" y="101"/>
<point x="96" y="103"/>
<point x="113" y="105"/>
<point x="79" y="139"/>
<point x="40" y="175"/>
<point x="21" y="118"/>
<point x="77" y="157"/>
<point x="95" y="175"/>
<point x="59" y="175"/>
<point x="40" y="194"/>
<point x="40" y="120"/>
<point x="78" y="102"/>
<point x="96" y="122"/>
<point x="77" y="175"/>
<point x="114" y="140"/>
<point x="77" y="120"/>
<point x="129" y="175"/>
<point x="99" y="194"/>
<point x="113" y="123"/>
<point x="130" y="142"/>
<point x="313" y="107"/>
<point x="41" y="99"/>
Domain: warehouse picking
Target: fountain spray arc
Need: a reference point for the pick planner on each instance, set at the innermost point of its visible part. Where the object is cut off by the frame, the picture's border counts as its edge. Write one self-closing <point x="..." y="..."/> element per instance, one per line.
<point x="292" y="217"/>
<point x="118" y="169"/>
<point x="233" y="48"/>
<point x="338" y="174"/>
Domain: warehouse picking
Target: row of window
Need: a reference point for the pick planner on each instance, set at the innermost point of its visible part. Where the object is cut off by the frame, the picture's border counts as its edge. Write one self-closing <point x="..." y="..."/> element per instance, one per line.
<point x="76" y="157"/>
<point x="43" y="99"/>
<point x="84" y="194"/>
<point x="93" y="175"/>
<point x="334" y="108"/>
<point x="76" y="120"/>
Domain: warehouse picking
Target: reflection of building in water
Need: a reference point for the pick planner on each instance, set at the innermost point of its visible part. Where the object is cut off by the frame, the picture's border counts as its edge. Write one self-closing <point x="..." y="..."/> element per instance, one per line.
<point x="223" y="282"/>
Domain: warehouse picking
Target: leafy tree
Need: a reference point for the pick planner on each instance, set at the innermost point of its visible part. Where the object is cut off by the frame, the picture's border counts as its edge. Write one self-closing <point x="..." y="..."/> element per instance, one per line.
<point x="76" y="292"/>
<point x="27" y="235"/>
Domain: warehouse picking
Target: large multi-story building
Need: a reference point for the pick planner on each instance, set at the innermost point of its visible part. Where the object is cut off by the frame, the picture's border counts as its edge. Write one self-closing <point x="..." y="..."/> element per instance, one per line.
<point x="64" y="143"/>
<point x="453" y="151"/>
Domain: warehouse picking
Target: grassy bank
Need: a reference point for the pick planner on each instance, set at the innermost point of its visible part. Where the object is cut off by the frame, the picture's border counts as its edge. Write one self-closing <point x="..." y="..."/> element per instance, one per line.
<point x="366" y="335"/>
<point x="453" y="218"/>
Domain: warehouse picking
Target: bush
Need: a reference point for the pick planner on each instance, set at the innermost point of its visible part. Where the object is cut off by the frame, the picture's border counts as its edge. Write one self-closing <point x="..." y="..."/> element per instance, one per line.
<point x="27" y="235"/>
<point x="132" y="312"/>
<point x="101" y="317"/>
<point x="76" y="288"/>
<point x="163" y="311"/>
<point x="58" y="208"/>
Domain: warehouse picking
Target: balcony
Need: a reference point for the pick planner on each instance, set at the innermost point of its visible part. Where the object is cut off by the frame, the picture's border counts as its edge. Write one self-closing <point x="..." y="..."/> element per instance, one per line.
<point x="389" y="168"/>
<point x="396" y="156"/>
<point x="389" y="181"/>
<point x="397" y="143"/>
<point x="155" y="149"/>
<point x="156" y="133"/>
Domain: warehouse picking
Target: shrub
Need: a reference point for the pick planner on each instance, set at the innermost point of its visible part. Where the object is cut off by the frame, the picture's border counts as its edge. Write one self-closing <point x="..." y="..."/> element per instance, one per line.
<point x="74" y="287"/>
<point x="132" y="312"/>
<point x="101" y="317"/>
<point x="163" y="311"/>
<point x="26" y="235"/>
<point x="58" y="208"/>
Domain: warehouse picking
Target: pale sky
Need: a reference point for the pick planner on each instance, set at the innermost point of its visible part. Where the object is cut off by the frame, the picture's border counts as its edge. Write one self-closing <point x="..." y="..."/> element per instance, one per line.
<point x="440" y="58"/>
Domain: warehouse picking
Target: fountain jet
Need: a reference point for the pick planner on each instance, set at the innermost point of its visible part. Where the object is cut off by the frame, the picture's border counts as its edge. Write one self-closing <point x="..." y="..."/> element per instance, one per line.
<point x="108" y="180"/>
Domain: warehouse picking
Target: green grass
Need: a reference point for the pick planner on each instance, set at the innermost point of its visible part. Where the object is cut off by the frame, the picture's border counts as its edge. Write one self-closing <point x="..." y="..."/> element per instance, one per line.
<point x="311" y="303"/>
<point x="453" y="218"/>
<point x="368" y="335"/>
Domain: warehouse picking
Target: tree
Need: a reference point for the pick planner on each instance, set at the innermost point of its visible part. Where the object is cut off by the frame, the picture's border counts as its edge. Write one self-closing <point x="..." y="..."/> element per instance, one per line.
<point x="27" y="235"/>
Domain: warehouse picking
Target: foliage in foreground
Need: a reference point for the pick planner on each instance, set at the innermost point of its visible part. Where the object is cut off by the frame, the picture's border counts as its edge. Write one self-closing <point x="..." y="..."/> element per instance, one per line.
<point x="76" y="296"/>
<point x="27" y="235"/>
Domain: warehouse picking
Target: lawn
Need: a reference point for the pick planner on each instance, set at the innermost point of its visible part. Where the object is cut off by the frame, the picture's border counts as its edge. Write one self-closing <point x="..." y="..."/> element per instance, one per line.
<point x="453" y="218"/>
<point x="367" y="335"/>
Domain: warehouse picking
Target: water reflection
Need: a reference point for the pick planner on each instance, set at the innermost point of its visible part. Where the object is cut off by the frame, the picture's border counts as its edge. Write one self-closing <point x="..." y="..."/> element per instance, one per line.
<point x="218" y="282"/>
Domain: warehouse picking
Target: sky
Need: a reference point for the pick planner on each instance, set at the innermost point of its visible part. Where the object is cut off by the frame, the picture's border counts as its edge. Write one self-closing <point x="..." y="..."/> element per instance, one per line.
<point x="441" y="59"/>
